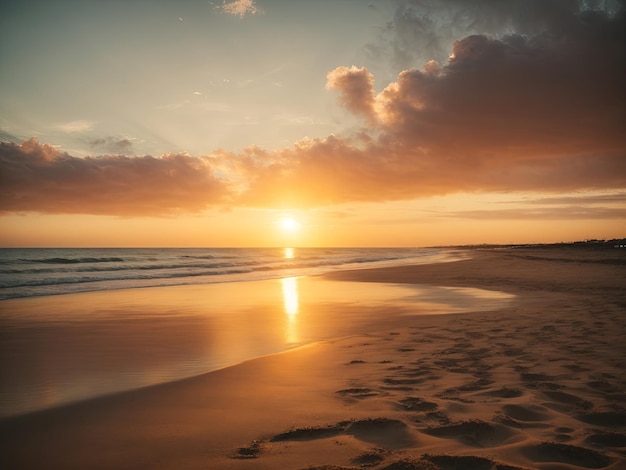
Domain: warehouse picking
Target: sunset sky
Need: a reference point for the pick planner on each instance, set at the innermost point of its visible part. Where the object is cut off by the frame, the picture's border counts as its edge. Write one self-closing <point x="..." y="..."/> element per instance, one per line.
<point x="311" y="122"/>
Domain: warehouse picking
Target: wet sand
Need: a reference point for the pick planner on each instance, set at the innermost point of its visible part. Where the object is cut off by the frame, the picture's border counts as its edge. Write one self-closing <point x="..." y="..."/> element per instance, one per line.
<point x="538" y="383"/>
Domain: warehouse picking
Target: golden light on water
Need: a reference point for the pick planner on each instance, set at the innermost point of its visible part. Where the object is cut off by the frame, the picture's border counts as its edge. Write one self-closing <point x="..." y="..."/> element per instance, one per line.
<point x="289" y="253"/>
<point x="292" y="307"/>
<point x="290" y="295"/>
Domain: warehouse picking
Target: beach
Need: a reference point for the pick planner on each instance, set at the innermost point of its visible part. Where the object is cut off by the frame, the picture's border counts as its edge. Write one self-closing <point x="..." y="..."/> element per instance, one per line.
<point x="536" y="382"/>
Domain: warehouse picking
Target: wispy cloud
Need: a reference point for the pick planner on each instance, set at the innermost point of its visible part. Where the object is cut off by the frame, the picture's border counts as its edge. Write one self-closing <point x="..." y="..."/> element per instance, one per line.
<point x="240" y="8"/>
<point x="6" y="136"/>
<point x="554" y="213"/>
<point x="75" y="126"/>
<point x="587" y="199"/>
<point x="176" y="105"/>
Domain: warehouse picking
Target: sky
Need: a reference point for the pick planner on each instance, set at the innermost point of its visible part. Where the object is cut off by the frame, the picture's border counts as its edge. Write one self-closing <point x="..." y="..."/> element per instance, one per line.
<point x="311" y="122"/>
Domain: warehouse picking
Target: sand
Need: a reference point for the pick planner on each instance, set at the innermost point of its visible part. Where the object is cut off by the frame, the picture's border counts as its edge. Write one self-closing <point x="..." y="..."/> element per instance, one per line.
<point x="538" y="384"/>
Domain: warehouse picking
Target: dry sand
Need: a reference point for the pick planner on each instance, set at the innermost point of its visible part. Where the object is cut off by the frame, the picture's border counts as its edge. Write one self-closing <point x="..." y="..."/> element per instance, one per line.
<point x="540" y="384"/>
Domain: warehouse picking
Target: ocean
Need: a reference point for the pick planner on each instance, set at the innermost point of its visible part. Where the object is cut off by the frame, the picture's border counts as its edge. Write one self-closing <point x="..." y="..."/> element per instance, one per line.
<point x="76" y="324"/>
<point x="27" y="272"/>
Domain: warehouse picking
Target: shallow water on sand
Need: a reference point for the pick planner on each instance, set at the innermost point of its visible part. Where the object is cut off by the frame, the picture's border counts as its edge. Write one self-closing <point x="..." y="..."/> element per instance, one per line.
<point x="61" y="349"/>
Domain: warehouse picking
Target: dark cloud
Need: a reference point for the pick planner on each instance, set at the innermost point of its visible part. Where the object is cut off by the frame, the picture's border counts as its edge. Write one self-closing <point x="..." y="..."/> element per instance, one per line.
<point x="542" y="113"/>
<point x="37" y="177"/>
<point x="424" y="30"/>
<point x="111" y="144"/>
<point x="516" y="96"/>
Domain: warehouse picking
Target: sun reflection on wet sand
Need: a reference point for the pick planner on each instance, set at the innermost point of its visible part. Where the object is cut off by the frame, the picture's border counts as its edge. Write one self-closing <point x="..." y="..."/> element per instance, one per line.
<point x="292" y="307"/>
<point x="72" y="347"/>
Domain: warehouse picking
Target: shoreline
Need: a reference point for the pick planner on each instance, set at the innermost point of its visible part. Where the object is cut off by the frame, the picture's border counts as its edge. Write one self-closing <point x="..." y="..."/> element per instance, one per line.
<point x="99" y="343"/>
<point x="210" y="266"/>
<point x="533" y="385"/>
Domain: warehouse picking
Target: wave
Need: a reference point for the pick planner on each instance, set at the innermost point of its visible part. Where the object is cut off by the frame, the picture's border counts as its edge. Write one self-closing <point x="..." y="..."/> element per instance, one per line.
<point x="302" y="262"/>
<point x="128" y="267"/>
<point x="163" y="271"/>
<point x="31" y="273"/>
<point x="72" y="260"/>
<point x="83" y="280"/>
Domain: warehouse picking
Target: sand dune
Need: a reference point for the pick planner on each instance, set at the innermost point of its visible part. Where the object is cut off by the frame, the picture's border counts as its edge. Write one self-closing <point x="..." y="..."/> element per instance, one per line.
<point x="539" y="384"/>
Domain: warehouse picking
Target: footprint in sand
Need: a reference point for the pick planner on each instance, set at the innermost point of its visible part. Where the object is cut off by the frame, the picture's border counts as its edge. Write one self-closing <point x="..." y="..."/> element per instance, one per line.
<point x="475" y="433"/>
<point x="454" y="462"/>
<point x="452" y="393"/>
<point x="479" y="384"/>
<point x="384" y="432"/>
<point x="535" y="378"/>
<point x="609" y="439"/>
<point x="609" y="419"/>
<point x="566" y="402"/>
<point x="526" y="413"/>
<point x="312" y="433"/>
<point x="508" y="421"/>
<point x="371" y="458"/>
<point x="387" y="433"/>
<point x="357" y="392"/>
<point x="416" y="404"/>
<point x="503" y="392"/>
<point x="393" y="381"/>
<point x="566" y="454"/>
<point x="249" y="452"/>
<point x="424" y="372"/>
<point x="603" y="386"/>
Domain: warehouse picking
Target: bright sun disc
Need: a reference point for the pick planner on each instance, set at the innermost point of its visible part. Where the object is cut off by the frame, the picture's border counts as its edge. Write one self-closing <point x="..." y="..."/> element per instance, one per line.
<point x="289" y="225"/>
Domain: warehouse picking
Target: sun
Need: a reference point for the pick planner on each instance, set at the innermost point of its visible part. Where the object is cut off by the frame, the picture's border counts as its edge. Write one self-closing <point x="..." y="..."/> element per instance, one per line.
<point x="289" y="225"/>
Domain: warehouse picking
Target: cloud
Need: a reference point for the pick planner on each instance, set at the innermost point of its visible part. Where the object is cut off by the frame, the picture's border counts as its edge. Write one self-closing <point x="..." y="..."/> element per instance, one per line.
<point x="240" y="8"/>
<point x="6" y="136"/>
<point x="424" y="30"/>
<point x="37" y="177"/>
<point x="541" y="112"/>
<point x="515" y="96"/>
<point x="356" y="88"/>
<point x="555" y="213"/>
<point x="588" y="199"/>
<point x="112" y="144"/>
<point x="76" y="126"/>
<point x="173" y="106"/>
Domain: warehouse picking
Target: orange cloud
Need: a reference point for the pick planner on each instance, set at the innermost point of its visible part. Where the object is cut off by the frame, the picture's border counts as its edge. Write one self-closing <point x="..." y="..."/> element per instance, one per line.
<point x="240" y="7"/>
<point x="37" y="177"/>
<point x="544" y="113"/>
<point x="356" y="88"/>
<point x="538" y="113"/>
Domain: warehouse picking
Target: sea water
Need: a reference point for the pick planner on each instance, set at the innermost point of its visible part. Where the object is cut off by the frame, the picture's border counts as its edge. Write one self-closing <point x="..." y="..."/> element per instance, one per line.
<point x="27" y="272"/>
<point x="77" y="324"/>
